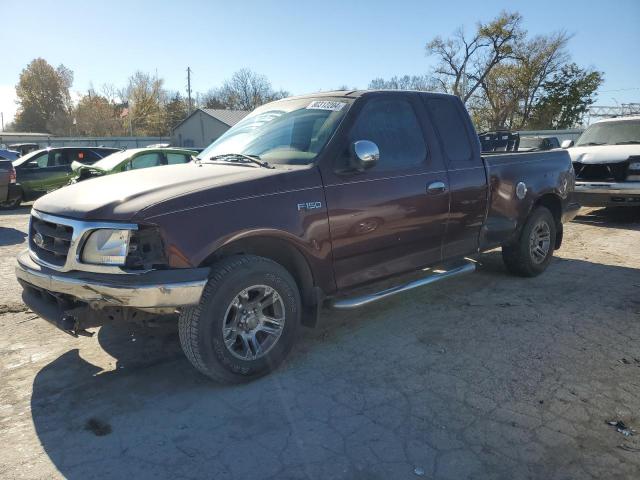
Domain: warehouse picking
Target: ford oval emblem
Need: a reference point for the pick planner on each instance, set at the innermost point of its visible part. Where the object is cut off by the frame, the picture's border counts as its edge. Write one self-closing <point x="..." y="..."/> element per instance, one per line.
<point x="38" y="239"/>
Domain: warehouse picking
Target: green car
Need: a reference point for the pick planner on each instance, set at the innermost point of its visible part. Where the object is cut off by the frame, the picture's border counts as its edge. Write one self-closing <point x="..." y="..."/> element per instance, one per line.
<point x="45" y="170"/>
<point x="132" y="159"/>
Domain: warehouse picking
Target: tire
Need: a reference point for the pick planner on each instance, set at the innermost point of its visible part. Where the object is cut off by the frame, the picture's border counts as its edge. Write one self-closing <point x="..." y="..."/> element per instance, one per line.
<point x="12" y="205"/>
<point x="222" y="306"/>
<point x="522" y="257"/>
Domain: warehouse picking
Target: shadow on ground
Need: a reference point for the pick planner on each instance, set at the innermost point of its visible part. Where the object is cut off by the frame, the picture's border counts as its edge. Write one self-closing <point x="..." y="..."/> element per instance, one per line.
<point x="11" y="236"/>
<point x="423" y="380"/>
<point x="21" y="210"/>
<point x="627" y="218"/>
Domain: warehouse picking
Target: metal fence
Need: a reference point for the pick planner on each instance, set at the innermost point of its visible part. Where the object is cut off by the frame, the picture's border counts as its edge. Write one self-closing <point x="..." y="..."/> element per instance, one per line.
<point x="561" y="135"/>
<point x="44" y="141"/>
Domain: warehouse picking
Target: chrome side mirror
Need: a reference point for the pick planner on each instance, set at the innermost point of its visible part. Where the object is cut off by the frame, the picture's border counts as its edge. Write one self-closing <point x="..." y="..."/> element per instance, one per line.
<point x="567" y="143"/>
<point x="365" y="154"/>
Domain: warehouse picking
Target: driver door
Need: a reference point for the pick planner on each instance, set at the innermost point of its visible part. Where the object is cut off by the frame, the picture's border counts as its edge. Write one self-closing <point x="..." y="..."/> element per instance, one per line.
<point x="387" y="220"/>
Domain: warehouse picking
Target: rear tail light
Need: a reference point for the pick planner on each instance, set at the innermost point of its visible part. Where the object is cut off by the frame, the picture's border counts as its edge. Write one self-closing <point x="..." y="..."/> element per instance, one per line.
<point x="12" y="175"/>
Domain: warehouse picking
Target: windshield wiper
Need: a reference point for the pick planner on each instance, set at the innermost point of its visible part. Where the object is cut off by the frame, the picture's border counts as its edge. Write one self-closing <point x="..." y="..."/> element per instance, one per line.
<point x="227" y="157"/>
<point x="629" y="142"/>
<point x="590" y="144"/>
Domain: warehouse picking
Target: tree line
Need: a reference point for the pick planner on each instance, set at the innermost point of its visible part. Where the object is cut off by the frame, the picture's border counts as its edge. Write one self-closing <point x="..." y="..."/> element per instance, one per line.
<point x="506" y="77"/>
<point x="143" y="107"/>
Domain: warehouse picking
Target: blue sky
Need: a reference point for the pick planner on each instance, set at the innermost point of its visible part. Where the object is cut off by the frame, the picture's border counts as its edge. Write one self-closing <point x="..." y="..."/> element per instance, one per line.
<point x="300" y="46"/>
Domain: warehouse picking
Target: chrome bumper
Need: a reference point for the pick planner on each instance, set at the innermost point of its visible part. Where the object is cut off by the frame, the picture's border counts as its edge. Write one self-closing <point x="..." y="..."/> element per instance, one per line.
<point x="608" y="188"/>
<point x="161" y="288"/>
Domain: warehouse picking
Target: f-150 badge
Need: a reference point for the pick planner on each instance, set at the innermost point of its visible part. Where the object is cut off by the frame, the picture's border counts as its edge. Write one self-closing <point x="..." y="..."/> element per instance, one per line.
<point x="309" y="206"/>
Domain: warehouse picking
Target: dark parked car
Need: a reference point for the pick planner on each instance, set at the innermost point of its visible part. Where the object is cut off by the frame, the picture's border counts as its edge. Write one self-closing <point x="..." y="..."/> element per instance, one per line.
<point x="24" y="148"/>
<point x="299" y="203"/>
<point x="45" y="170"/>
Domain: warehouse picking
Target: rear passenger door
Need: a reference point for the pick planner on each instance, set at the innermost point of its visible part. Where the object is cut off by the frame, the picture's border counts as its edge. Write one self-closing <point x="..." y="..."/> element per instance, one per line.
<point x="460" y="148"/>
<point x="385" y="220"/>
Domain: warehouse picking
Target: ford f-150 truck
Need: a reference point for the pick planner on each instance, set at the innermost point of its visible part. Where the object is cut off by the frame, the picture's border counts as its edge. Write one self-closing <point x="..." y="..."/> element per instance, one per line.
<point x="294" y="207"/>
<point x="606" y="158"/>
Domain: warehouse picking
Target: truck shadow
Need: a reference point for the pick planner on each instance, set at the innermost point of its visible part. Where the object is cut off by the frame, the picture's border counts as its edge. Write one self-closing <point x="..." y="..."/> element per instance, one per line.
<point x="11" y="236"/>
<point x="627" y="218"/>
<point x="153" y="416"/>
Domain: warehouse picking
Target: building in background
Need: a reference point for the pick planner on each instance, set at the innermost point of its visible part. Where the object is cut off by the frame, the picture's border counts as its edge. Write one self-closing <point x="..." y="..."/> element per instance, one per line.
<point x="204" y="126"/>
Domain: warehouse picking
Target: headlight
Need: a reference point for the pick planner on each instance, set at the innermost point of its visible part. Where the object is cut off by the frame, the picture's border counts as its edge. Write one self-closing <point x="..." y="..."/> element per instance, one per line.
<point x="106" y="247"/>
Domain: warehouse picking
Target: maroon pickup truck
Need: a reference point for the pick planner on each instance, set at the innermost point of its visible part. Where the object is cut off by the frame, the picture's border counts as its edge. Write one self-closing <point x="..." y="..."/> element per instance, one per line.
<point x="294" y="207"/>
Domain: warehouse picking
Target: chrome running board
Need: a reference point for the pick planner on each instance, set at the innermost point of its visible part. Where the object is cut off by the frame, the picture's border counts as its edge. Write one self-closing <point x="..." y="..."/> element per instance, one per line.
<point x="357" y="302"/>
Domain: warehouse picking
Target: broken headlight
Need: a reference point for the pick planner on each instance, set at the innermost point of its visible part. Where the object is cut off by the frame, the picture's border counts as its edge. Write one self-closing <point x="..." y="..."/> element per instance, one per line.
<point x="146" y="250"/>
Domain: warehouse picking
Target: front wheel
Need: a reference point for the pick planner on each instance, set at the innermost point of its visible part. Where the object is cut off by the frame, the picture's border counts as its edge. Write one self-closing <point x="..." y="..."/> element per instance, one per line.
<point x="246" y="322"/>
<point x="530" y="255"/>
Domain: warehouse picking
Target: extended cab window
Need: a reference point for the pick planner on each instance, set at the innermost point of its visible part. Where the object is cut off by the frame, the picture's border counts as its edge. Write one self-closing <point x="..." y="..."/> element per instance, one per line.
<point x="391" y="123"/>
<point x="59" y="159"/>
<point x="452" y="129"/>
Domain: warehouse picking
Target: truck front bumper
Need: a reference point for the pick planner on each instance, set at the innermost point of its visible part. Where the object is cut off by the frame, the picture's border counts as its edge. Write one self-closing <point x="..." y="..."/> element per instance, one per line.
<point x="150" y="290"/>
<point x="607" y="194"/>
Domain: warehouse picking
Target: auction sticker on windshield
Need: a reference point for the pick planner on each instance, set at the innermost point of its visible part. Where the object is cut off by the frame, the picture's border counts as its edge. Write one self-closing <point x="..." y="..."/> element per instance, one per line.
<point x="326" y="105"/>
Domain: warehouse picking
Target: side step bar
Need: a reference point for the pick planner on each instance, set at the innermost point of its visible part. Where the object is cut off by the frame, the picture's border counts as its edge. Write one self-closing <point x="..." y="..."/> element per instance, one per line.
<point x="356" y="302"/>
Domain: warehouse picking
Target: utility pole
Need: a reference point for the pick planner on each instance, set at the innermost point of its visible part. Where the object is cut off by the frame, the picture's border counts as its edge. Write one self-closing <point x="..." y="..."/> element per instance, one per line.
<point x="189" y="88"/>
<point x="2" y="116"/>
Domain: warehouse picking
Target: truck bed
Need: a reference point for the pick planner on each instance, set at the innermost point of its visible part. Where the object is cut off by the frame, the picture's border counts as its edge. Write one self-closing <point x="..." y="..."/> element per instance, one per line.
<point x="504" y="173"/>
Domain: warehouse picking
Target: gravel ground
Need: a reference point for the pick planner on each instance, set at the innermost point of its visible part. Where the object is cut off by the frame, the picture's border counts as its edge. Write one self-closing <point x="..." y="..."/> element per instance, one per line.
<point x="485" y="376"/>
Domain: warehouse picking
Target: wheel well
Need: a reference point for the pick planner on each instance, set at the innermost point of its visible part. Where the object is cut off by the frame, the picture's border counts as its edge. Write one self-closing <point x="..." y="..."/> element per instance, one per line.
<point x="554" y="205"/>
<point x="281" y="252"/>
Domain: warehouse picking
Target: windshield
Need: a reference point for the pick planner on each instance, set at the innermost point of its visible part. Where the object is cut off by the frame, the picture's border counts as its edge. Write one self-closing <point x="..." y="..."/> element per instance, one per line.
<point x="25" y="158"/>
<point x="111" y="161"/>
<point x="289" y="132"/>
<point x="611" y="133"/>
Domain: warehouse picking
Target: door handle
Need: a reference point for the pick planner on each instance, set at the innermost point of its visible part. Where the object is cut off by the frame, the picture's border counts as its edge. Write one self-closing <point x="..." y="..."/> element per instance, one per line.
<point x="436" y="187"/>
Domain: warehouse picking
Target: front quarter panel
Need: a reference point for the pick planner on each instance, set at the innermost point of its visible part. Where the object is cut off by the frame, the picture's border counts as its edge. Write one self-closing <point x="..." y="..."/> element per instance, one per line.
<point x="297" y="215"/>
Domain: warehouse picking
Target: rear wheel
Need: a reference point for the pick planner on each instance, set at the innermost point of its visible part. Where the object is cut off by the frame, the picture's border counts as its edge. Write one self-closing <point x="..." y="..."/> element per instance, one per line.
<point x="246" y="322"/>
<point x="531" y="254"/>
<point x="11" y="205"/>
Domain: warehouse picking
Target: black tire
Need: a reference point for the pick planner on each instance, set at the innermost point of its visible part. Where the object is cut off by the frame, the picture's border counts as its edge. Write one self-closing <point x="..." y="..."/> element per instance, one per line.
<point x="201" y="326"/>
<point x="519" y="257"/>
<point x="12" y="205"/>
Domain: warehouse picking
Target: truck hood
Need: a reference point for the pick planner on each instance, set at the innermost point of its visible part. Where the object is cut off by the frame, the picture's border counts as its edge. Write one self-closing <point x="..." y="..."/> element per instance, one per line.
<point x="139" y="194"/>
<point x="603" y="153"/>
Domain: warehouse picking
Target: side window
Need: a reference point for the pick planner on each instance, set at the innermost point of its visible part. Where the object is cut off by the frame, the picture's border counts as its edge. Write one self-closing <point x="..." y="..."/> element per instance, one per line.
<point x="393" y="126"/>
<point x="452" y="128"/>
<point x="86" y="156"/>
<point x="59" y="158"/>
<point x="41" y="161"/>
<point x="174" y="158"/>
<point x="146" y="160"/>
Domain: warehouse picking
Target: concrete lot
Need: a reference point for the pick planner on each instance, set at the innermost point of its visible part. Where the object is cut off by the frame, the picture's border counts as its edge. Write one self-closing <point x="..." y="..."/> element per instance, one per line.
<point x="486" y="376"/>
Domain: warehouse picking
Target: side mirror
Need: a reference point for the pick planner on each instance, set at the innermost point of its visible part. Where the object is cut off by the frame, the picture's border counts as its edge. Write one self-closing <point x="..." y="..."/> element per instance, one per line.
<point x="567" y="143"/>
<point x="365" y="154"/>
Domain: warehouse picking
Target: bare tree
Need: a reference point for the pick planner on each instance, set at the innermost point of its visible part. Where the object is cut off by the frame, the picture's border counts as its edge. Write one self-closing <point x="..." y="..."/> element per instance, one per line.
<point x="245" y="90"/>
<point x="465" y="62"/>
<point x="406" y="82"/>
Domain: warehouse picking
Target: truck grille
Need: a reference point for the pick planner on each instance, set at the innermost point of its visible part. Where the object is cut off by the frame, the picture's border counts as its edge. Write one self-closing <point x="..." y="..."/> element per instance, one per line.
<point x="50" y="241"/>
<point x="604" y="172"/>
